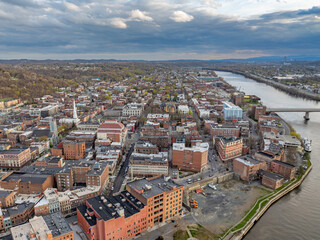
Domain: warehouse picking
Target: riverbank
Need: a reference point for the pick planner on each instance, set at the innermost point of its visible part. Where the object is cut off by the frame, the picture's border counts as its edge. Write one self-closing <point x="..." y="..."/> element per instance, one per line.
<point x="261" y="206"/>
<point x="287" y="89"/>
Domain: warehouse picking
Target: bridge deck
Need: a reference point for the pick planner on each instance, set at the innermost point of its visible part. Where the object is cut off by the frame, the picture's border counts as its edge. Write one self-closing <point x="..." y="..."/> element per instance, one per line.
<point x="293" y="110"/>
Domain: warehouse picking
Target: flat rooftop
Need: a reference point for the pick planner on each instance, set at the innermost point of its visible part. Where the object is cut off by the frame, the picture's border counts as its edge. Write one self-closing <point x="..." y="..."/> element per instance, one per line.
<point x="111" y="207"/>
<point x="153" y="187"/>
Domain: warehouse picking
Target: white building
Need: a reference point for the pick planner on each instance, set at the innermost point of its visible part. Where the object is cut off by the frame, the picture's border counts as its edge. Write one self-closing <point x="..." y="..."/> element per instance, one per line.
<point x="132" y="109"/>
<point x="184" y="109"/>
<point x="231" y="111"/>
<point x="149" y="164"/>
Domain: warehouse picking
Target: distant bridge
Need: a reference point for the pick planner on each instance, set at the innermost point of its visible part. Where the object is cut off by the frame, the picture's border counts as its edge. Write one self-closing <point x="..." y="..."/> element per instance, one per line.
<point x="305" y="110"/>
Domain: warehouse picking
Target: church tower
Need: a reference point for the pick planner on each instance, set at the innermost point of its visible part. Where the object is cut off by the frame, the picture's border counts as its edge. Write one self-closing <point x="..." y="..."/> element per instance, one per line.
<point x="75" y="116"/>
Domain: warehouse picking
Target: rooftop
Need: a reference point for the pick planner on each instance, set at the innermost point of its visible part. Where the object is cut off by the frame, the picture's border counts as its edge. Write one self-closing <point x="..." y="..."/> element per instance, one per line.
<point x="109" y="207"/>
<point x="248" y="161"/>
<point x="153" y="187"/>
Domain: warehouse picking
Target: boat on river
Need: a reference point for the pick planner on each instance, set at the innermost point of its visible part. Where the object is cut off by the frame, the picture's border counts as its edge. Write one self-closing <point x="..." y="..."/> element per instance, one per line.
<point x="307" y="144"/>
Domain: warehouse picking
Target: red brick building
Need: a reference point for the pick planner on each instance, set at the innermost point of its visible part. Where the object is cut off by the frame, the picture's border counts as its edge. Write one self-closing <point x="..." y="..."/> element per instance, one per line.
<point x="162" y="198"/>
<point x="113" y="217"/>
<point x="224" y="130"/>
<point x="14" y="157"/>
<point x="192" y="159"/>
<point x="229" y="148"/>
<point x="113" y="130"/>
<point x="248" y="168"/>
<point x="284" y="169"/>
<point x="74" y="150"/>
<point x="6" y="198"/>
<point x="25" y="183"/>
<point x="271" y="180"/>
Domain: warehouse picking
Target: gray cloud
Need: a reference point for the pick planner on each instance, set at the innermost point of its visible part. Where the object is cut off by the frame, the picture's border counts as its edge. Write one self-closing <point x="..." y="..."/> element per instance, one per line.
<point x="143" y="26"/>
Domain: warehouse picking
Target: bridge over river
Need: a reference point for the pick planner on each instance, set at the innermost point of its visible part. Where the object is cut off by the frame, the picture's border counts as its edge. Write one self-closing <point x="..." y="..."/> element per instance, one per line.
<point x="307" y="111"/>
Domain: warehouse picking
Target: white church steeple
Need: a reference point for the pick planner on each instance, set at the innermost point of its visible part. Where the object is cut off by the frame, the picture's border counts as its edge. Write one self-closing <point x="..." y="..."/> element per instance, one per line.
<point x="75" y="115"/>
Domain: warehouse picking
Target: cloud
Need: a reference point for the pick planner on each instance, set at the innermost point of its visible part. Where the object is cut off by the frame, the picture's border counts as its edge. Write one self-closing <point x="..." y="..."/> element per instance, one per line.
<point x="72" y="7"/>
<point x="137" y="15"/>
<point x="154" y="30"/>
<point x="118" y="23"/>
<point x="180" y="16"/>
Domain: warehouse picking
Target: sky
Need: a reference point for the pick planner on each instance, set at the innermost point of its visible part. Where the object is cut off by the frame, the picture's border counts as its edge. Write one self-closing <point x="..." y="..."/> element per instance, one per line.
<point x="158" y="29"/>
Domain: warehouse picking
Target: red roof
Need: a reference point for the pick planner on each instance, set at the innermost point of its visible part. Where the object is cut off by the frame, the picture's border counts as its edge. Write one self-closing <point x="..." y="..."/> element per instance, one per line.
<point x="114" y="125"/>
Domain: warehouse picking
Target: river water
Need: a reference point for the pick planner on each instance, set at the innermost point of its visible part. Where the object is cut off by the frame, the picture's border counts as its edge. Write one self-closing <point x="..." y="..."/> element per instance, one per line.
<point x="296" y="215"/>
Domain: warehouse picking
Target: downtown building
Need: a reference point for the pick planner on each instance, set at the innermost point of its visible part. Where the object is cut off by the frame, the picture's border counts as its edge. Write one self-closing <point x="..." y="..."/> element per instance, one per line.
<point x="161" y="196"/>
<point x="229" y="148"/>
<point x="122" y="216"/>
<point x="193" y="159"/>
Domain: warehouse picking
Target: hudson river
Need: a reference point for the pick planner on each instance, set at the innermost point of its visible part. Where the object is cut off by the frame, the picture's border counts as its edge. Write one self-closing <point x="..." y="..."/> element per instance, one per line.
<point x="296" y="215"/>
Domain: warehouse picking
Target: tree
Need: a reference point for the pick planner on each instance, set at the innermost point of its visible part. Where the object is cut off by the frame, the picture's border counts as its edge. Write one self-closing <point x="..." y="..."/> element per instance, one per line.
<point x="43" y="138"/>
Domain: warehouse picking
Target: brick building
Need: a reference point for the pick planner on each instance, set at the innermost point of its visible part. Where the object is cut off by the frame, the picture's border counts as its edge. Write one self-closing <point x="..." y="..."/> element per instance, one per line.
<point x="74" y="150"/>
<point x="248" y="168"/>
<point x="257" y="111"/>
<point x="190" y="159"/>
<point x="271" y="180"/>
<point x="148" y="164"/>
<point x="89" y="173"/>
<point x="14" y="158"/>
<point x="27" y="183"/>
<point x="284" y="169"/>
<point x="114" y="217"/>
<point x="146" y="148"/>
<point x="229" y="148"/>
<point x="113" y="130"/>
<point x="51" y="161"/>
<point x="16" y="215"/>
<point x="6" y="198"/>
<point x="224" y="130"/>
<point x="51" y="227"/>
<point x="162" y="197"/>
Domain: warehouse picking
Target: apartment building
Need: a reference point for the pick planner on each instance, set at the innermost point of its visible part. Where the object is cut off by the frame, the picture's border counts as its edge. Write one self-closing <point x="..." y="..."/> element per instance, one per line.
<point x="27" y="183"/>
<point x="113" y="217"/>
<point x="161" y="195"/>
<point x="192" y="159"/>
<point x="14" y="158"/>
<point x="74" y="150"/>
<point x="7" y="198"/>
<point x="231" y="111"/>
<point x="229" y="148"/>
<point x="141" y="164"/>
<point x="224" y="130"/>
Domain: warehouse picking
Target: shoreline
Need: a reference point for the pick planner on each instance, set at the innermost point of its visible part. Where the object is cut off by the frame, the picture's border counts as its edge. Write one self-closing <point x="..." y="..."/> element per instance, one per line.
<point x="235" y="235"/>
<point x="237" y="231"/>
<point x="289" y="90"/>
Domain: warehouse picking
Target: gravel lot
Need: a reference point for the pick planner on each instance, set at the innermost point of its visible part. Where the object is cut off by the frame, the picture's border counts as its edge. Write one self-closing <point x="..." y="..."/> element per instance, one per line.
<point x="222" y="208"/>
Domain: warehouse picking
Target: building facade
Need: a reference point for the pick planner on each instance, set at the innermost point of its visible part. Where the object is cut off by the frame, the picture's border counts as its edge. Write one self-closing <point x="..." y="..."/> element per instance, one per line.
<point x="190" y="158"/>
<point x="162" y="197"/>
<point x="114" y="217"/>
<point x="229" y="148"/>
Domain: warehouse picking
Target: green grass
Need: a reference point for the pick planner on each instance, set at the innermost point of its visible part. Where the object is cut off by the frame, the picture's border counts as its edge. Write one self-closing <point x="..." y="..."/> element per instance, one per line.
<point x="181" y="235"/>
<point x="200" y="232"/>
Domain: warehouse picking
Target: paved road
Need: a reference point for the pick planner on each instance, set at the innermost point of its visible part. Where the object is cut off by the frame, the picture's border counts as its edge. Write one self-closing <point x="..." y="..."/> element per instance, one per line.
<point x="122" y="172"/>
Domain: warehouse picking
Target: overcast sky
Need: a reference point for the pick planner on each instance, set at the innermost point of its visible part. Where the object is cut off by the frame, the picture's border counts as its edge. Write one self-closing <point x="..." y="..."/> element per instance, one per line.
<point x="158" y="29"/>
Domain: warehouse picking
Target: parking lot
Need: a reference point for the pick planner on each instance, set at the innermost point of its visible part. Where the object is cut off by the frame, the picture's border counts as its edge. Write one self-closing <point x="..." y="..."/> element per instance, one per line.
<point x="220" y="209"/>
